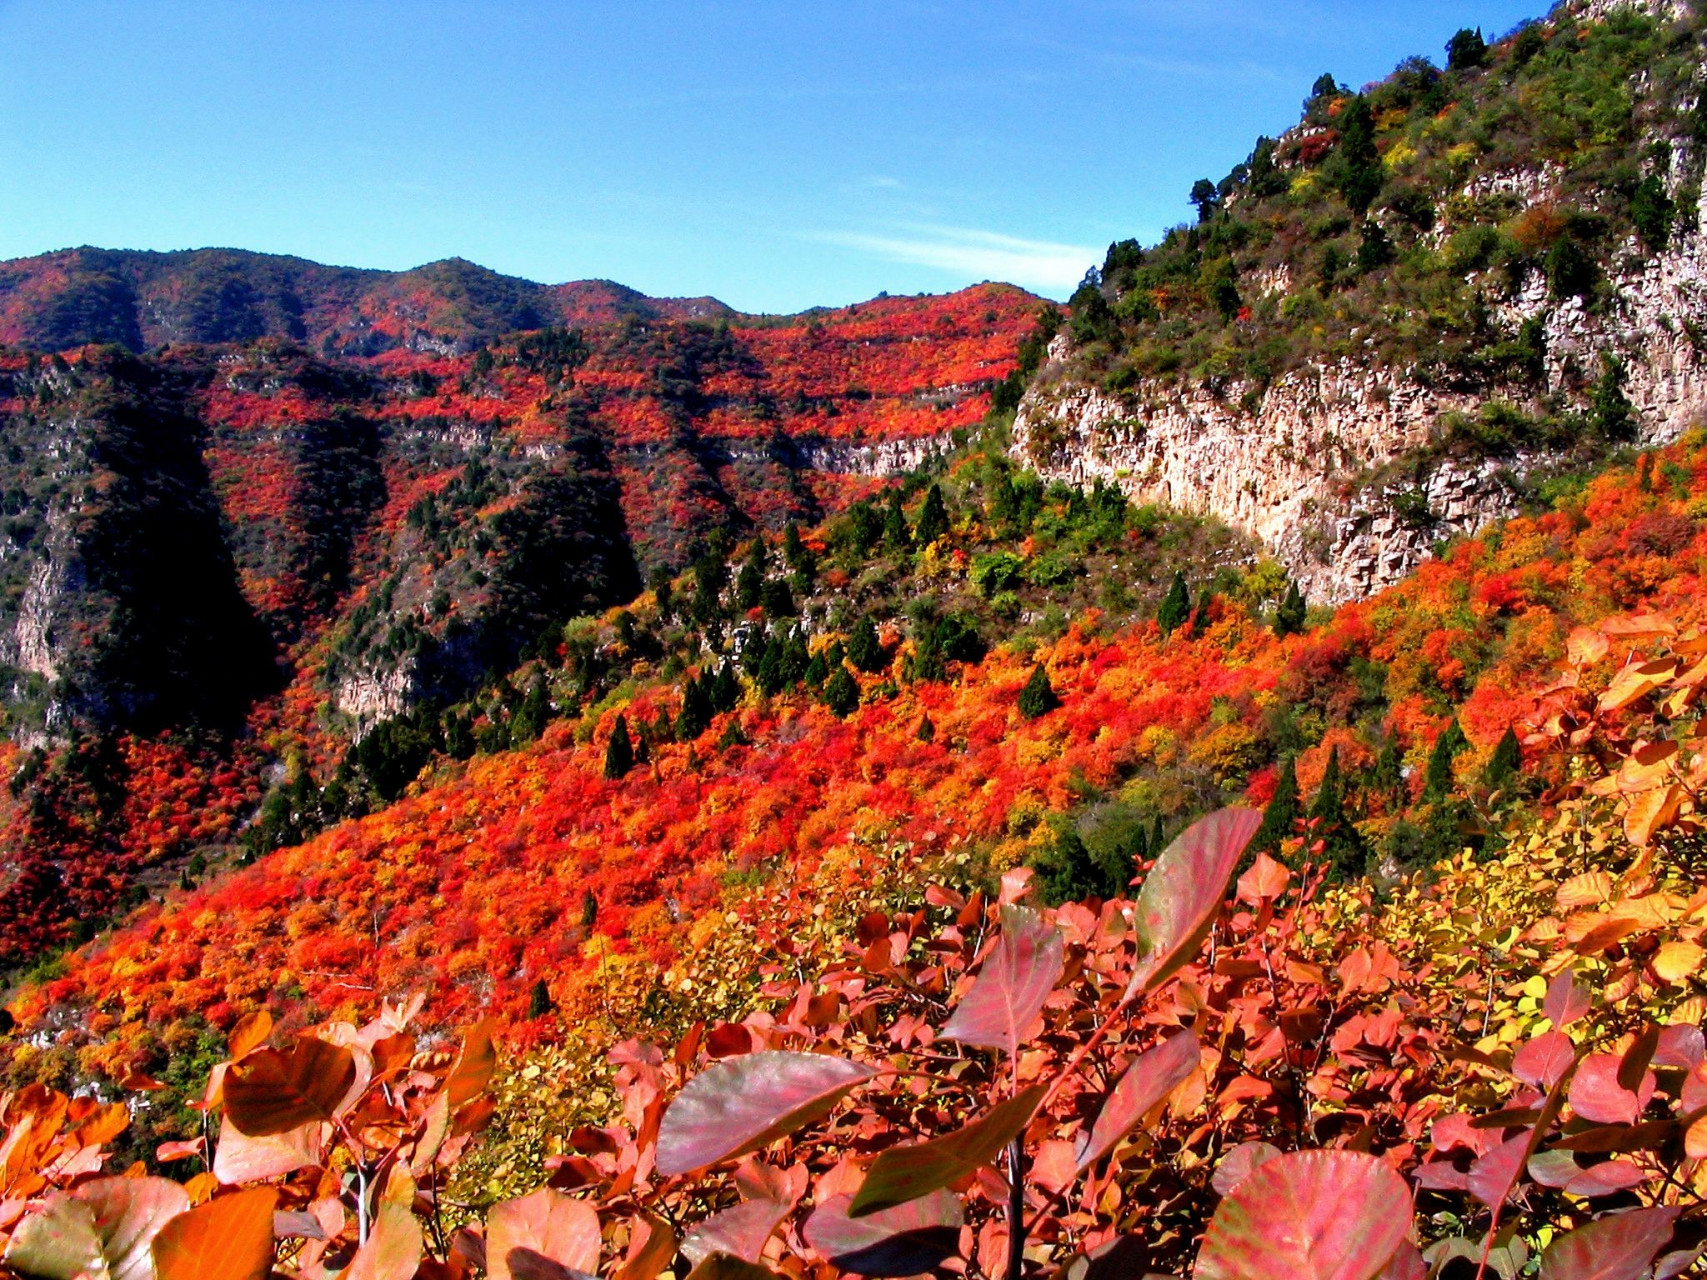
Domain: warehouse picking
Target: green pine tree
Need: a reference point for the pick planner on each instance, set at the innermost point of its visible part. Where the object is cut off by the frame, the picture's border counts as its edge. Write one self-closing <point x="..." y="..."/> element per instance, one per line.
<point x="724" y="689"/>
<point x="1610" y="408"/>
<point x="696" y="713"/>
<point x="1387" y="778"/>
<point x="619" y="751"/>
<point x="1344" y="846"/>
<point x="749" y="586"/>
<point x="927" y="729"/>
<point x="1503" y="766"/>
<point x="1068" y="872"/>
<point x="933" y="518"/>
<point x="864" y="650"/>
<point x="777" y="599"/>
<point x="817" y="671"/>
<point x="1281" y="813"/>
<point x="794" y="551"/>
<point x="1175" y="609"/>
<point x="841" y="693"/>
<point x="1356" y="165"/>
<point x="896" y="535"/>
<point x="771" y="676"/>
<point x="539" y="1001"/>
<point x="1289" y="617"/>
<point x="589" y="909"/>
<point x="1038" y="697"/>
<point x="1438" y="780"/>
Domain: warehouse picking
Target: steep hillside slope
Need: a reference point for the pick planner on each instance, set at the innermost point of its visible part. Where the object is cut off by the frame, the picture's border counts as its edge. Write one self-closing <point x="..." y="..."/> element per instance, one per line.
<point x="1397" y="320"/>
<point x="549" y="878"/>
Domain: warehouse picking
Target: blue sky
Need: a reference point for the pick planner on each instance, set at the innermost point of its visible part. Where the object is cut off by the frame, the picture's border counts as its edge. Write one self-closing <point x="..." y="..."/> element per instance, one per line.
<point x="775" y="153"/>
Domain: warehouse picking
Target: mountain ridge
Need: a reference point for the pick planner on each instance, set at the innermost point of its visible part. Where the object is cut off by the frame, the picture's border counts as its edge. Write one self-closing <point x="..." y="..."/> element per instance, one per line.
<point x="145" y="299"/>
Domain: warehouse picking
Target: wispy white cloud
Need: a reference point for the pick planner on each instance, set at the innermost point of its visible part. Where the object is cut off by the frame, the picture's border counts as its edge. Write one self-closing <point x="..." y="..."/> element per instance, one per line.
<point x="977" y="255"/>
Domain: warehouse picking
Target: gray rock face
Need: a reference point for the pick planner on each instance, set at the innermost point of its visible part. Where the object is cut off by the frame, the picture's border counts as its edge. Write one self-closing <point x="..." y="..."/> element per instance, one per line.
<point x="1295" y="472"/>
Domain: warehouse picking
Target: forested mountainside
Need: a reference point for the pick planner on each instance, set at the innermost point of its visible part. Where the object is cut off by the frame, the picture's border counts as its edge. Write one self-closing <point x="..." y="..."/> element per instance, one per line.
<point x="1404" y="316"/>
<point x="950" y="786"/>
<point x="213" y="553"/>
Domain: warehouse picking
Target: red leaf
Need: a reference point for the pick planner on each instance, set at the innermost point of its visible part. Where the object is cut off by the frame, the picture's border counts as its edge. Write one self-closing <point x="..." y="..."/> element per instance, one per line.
<point x="902" y="1241"/>
<point x="474" y="1068"/>
<point x="742" y="1104"/>
<point x="651" y="1248"/>
<point x="1265" y="881"/>
<point x="1312" y="1215"/>
<point x="1606" y="1178"/>
<point x="545" y="1226"/>
<point x="1596" y="1094"/>
<point x="1554" y="1168"/>
<point x="1566" y="1001"/>
<point x="740" y="1231"/>
<point x="1544" y="1060"/>
<point x="1495" y="1174"/>
<point x="907" y="1172"/>
<point x="1018" y="974"/>
<point x="1633" y="1066"/>
<point x="1184" y="890"/>
<point x="1681" y="1045"/>
<point x="1618" y="1247"/>
<point x="1152" y="1076"/>
<point x="1239" y="1163"/>
<point x="719" y="1266"/>
<point x="270" y="1092"/>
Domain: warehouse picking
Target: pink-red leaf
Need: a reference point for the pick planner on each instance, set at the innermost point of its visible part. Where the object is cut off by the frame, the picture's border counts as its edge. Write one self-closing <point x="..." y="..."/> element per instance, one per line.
<point x="1618" y="1247"/>
<point x="1018" y="974"/>
<point x="1239" y="1163"/>
<point x="1183" y="892"/>
<point x="1597" y="1095"/>
<point x="1566" y="1001"/>
<point x="740" y="1231"/>
<point x="1495" y="1174"/>
<point x="103" y="1227"/>
<point x="741" y="1104"/>
<point x="1151" y="1077"/>
<point x="1544" y="1060"/>
<point x="1311" y="1215"/>
<point x="1605" y="1178"/>
<point x="904" y="1240"/>
<point x="545" y="1226"/>
<point x="907" y="1172"/>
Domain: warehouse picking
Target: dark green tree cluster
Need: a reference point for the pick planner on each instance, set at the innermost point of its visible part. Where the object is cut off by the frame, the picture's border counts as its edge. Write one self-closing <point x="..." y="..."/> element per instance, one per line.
<point x="619" y="751"/>
<point x="1289" y="616"/>
<point x="1038" y="698"/>
<point x="704" y="697"/>
<point x="1175" y="609"/>
<point x="1100" y="862"/>
<point x="940" y="639"/>
<point x="864" y="649"/>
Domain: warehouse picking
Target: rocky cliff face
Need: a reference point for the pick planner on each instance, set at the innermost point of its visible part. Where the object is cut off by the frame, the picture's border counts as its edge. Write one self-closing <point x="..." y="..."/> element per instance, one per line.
<point x="1329" y="468"/>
